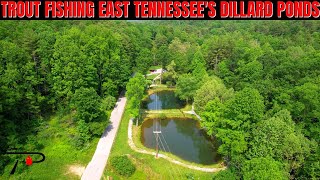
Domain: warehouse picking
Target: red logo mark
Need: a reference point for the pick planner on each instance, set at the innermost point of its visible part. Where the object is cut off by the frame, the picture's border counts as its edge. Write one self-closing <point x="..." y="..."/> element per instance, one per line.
<point x="28" y="161"/>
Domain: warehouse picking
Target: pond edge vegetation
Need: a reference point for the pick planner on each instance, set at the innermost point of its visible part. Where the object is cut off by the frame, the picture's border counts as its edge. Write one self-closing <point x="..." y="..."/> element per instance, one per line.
<point x="164" y="156"/>
<point x="162" y="114"/>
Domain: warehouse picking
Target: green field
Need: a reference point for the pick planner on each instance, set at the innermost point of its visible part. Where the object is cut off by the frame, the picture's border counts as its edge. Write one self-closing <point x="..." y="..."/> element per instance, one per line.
<point x="61" y="154"/>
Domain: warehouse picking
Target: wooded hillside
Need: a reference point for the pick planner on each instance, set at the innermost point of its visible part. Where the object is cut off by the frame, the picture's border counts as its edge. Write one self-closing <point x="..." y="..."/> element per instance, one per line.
<point x="255" y="83"/>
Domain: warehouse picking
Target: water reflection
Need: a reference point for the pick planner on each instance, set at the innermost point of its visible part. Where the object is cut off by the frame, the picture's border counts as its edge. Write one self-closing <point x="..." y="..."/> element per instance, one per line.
<point x="163" y="100"/>
<point x="184" y="139"/>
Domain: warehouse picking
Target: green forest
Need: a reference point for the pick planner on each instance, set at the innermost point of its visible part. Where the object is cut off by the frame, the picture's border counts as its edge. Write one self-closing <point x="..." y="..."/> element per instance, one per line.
<point x="255" y="84"/>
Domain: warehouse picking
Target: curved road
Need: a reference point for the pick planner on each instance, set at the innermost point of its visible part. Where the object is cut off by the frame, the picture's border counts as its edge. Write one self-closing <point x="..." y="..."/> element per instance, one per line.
<point x="95" y="168"/>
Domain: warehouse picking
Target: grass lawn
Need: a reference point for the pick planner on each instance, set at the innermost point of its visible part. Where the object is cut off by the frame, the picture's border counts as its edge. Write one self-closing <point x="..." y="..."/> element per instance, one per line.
<point x="147" y="167"/>
<point x="59" y="151"/>
<point x="167" y="113"/>
<point x="151" y="77"/>
<point x="159" y="88"/>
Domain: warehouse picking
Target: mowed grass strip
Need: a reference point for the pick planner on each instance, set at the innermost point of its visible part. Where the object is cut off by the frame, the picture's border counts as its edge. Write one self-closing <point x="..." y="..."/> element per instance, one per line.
<point x="147" y="166"/>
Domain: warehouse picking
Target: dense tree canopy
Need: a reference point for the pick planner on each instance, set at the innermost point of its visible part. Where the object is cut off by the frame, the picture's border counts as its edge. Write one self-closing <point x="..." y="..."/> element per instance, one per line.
<point x="135" y="91"/>
<point x="278" y="137"/>
<point x="170" y="76"/>
<point x="255" y="84"/>
<point x="186" y="87"/>
<point x="211" y="89"/>
<point x="263" y="168"/>
<point x="85" y="102"/>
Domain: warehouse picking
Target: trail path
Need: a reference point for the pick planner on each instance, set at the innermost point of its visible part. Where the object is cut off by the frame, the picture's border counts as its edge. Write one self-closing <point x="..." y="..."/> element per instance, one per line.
<point x="95" y="168"/>
<point x="193" y="113"/>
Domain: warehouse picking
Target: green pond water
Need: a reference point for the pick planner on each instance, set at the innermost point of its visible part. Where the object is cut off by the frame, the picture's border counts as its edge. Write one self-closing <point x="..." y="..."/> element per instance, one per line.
<point x="163" y="100"/>
<point x="184" y="139"/>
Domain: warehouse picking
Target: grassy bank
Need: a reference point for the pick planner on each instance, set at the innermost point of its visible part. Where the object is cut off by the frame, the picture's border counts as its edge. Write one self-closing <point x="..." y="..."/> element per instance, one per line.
<point x="147" y="166"/>
<point x="168" y="113"/>
<point x="63" y="159"/>
<point x="137" y="135"/>
<point x="159" y="88"/>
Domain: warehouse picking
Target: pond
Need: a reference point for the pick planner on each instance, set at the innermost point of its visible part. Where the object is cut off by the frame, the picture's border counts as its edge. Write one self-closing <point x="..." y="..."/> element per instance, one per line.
<point x="184" y="139"/>
<point x="163" y="100"/>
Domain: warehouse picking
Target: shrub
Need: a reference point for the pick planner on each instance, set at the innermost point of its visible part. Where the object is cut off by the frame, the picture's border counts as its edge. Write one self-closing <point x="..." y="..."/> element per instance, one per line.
<point x="162" y="116"/>
<point x="83" y="135"/>
<point x="122" y="165"/>
<point x="4" y="160"/>
<point x="169" y="83"/>
<point x="97" y="128"/>
<point x="108" y="103"/>
<point x="87" y="104"/>
<point x="149" y="82"/>
<point x="226" y="174"/>
<point x="33" y="143"/>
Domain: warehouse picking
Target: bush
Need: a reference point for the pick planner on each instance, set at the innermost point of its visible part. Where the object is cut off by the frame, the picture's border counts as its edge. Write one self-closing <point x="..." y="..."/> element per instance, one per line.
<point x="169" y="83"/>
<point x="162" y="116"/>
<point x="87" y="104"/>
<point x="108" y="103"/>
<point x="83" y="135"/>
<point x="149" y="82"/>
<point x="97" y="128"/>
<point x="33" y="143"/>
<point x="226" y="174"/>
<point x="122" y="165"/>
<point x="4" y="160"/>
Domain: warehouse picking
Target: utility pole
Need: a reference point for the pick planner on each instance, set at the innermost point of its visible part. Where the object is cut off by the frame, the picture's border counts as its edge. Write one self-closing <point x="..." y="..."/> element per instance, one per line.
<point x="161" y="76"/>
<point x="157" y="128"/>
<point x="157" y="131"/>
